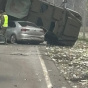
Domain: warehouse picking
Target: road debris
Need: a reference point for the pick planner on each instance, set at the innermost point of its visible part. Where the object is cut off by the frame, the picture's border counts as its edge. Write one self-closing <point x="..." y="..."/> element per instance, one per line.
<point x="73" y="62"/>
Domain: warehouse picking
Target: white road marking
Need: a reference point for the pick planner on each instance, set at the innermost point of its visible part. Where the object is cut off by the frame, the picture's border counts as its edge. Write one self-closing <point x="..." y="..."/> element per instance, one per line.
<point x="47" y="79"/>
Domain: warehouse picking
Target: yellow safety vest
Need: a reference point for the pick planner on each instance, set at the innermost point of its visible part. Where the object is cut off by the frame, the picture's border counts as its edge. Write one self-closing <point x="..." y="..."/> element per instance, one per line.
<point x="5" y="24"/>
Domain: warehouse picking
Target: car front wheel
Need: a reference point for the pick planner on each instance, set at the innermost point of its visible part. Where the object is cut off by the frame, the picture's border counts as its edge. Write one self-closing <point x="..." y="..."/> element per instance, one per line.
<point x="13" y="39"/>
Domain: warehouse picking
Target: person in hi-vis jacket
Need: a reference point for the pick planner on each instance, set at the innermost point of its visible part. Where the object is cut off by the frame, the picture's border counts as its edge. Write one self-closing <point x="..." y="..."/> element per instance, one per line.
<point x="4" y="24"/>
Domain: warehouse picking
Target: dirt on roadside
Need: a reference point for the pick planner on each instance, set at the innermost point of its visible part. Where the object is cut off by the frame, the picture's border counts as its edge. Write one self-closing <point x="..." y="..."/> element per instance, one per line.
<point x="72" y="62"/>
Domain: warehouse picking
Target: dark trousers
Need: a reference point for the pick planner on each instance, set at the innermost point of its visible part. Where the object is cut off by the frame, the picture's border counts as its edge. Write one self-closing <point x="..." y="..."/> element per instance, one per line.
<point x="3" y="32"/>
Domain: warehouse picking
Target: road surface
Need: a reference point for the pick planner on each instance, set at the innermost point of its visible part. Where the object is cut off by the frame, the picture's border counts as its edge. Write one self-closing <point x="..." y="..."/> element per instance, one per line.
<point x="26" y="66"/>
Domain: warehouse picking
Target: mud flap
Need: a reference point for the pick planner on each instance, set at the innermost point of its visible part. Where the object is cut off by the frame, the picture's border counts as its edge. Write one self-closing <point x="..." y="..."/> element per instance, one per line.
<point x="51" y="38"/>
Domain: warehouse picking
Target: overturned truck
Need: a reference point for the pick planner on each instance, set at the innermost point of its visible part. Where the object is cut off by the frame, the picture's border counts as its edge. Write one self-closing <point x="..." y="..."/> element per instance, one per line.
<point x="66" y="28"/>
<point x="62" y="24"/>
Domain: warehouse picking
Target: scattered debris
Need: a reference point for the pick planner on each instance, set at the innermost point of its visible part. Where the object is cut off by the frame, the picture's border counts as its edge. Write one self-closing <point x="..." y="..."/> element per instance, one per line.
<point x="73" y="62"/>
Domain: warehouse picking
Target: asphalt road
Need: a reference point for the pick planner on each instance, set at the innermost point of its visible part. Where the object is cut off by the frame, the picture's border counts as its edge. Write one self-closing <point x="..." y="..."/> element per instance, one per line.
<point x="26" y="66"/>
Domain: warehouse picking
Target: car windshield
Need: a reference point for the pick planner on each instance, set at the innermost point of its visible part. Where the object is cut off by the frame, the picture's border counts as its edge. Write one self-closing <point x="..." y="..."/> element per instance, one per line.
<point x="27" y="24"/>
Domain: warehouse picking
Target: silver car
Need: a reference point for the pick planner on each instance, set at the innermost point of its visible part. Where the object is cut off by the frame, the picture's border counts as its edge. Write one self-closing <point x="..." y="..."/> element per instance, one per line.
<point x="24" y="31"/>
